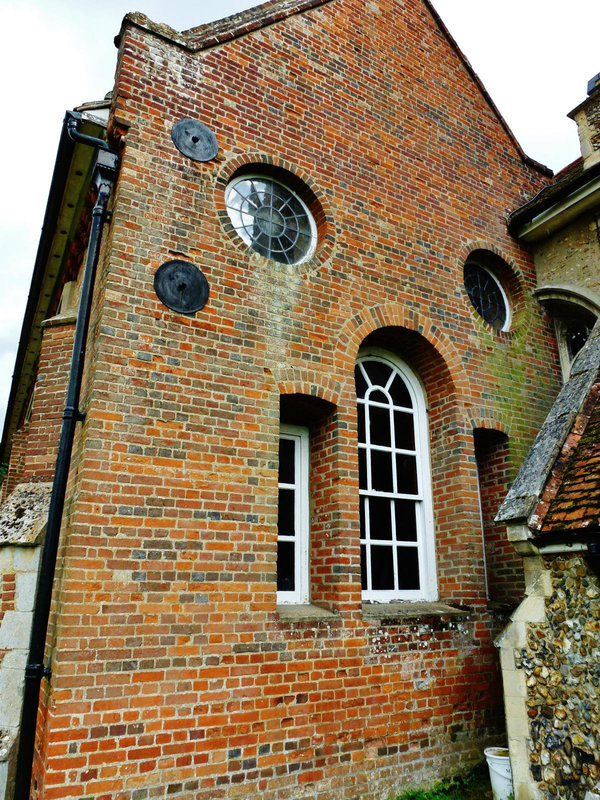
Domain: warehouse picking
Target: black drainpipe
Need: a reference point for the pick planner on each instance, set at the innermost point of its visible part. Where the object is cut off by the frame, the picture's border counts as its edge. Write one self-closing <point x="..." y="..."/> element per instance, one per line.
<point x="105" y="170"/>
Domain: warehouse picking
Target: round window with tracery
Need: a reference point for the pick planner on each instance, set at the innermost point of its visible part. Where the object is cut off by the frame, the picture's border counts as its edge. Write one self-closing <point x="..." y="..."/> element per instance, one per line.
<point x="271" y="218"/>
<point x="487" y="295"/>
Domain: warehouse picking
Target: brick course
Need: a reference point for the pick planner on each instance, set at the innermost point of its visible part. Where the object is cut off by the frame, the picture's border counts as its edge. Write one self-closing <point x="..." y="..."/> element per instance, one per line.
<point x="173" y="671"/>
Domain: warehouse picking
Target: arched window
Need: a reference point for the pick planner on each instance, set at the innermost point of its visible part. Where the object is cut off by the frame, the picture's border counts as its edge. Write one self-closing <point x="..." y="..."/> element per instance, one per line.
<point x="396" y="525"/>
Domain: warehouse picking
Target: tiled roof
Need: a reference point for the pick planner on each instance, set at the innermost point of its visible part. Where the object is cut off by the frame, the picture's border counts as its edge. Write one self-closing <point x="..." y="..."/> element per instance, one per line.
<point x="572" y="499"/>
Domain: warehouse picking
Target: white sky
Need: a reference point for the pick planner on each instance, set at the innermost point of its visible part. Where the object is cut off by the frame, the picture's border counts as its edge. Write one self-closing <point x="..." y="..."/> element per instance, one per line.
<point x="534" y="57"/>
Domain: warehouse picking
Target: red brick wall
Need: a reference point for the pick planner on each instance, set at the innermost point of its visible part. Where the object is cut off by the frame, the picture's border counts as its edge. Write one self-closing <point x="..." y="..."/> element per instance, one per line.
<point x="174" y="673"/>
<point x="35" y="444"/>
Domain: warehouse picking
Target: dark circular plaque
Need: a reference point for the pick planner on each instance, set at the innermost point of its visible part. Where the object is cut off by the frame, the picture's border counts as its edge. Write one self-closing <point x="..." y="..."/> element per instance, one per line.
<point x="194" y="140"/>
<point x="181" y="286"/>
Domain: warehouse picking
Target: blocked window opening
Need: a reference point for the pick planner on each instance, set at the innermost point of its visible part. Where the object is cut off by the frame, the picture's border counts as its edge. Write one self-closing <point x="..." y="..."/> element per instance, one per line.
<point x="504" y="570"/>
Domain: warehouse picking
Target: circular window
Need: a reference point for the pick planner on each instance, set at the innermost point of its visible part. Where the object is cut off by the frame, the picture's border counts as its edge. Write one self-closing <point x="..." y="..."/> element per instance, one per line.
<point x="271" y="219"/>
<point x="487" y="295"/>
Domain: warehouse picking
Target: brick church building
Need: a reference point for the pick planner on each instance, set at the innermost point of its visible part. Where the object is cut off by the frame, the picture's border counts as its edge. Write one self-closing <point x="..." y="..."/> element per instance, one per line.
<point x="313" y="368"/>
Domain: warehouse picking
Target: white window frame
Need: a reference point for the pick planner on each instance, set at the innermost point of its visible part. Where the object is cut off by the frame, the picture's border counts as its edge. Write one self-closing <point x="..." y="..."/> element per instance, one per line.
<point x="300" y="436"/>
<point x="425" y="542"/>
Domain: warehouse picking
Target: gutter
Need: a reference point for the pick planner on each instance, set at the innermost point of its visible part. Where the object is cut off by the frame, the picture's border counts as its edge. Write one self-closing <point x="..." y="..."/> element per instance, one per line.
<point x="59" y="178"/>
<point x="572" y="205"/>
<point x="584" y="540"/>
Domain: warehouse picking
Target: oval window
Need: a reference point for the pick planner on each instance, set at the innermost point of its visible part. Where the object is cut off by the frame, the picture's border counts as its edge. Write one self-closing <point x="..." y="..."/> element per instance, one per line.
<point x="487" y="295"/>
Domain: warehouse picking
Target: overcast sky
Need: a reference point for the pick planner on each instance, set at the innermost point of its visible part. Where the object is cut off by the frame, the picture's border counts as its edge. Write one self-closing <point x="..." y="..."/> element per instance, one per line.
<point x="534" y="56"/>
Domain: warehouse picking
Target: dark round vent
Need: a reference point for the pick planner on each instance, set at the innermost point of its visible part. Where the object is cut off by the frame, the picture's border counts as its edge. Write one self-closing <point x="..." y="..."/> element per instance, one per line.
<point x="194" y="140"/>
<point x="181" y="286"/>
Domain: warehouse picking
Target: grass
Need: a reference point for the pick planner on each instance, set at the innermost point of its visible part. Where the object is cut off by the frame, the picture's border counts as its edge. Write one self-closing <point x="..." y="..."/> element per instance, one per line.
<point x="474" y="785"/>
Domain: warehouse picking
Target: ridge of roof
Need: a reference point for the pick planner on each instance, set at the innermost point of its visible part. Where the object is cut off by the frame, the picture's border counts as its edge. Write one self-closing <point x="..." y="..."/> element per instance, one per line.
<point x="525" y="493"/>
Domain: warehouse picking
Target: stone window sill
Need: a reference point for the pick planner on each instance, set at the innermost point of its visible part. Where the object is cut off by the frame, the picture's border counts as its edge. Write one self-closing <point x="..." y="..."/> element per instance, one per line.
<point x="303" y="613"/>
<point x="407" y="610"/>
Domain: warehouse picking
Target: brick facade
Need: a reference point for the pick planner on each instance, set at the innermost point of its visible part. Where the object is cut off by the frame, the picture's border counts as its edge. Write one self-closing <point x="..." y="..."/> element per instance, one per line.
<point x="174" y="670"/>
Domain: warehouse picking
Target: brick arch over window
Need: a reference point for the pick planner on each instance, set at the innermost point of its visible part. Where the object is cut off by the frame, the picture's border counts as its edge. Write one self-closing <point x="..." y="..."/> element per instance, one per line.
<point x="487" y="418"/>
<point x="300" y="380"/>
<point x="482" y="244"/>
<point x="436" y="363"/>
<point x="394" y="315"/>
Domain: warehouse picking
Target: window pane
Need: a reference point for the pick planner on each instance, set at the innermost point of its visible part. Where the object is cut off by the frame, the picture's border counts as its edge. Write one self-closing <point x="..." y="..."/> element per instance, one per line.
<point x="382" y="567"/>
<point x="381" y="471"/>
<point x="379" y="373"/>
<point x="378" y="396"/>
<point x="404" y="430"/>
<point x="406" y="521"/>
<point x="380" y="518"/>
<point x="271" y="219"/>
<point x="363" y="566"/>
<point x="287" y="450"/>
<point x="486" y="295"/>
<point x="388" y="411"/>
<point x="361" y="384"/>
<point x="399" y="392"/>
<point x="285" y="512"/>
<point x="285" y="567"/>
<point x="361" y="423"/>
<point x="362" y="468"/>
<point x="406" y="471"/>
<point x="576" y="335"/>
<point x="379" y="425"/>
<point x="362" y="503"/>
<point x="408" y="568"/>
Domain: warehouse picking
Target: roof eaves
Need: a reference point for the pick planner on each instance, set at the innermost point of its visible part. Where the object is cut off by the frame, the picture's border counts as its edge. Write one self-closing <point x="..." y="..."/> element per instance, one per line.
<point x="66" y="152"/>
<point x="551" y="195"/>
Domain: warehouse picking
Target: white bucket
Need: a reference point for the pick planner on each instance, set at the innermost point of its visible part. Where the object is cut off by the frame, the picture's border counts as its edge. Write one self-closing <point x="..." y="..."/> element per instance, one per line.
<point x="498" y="762"/>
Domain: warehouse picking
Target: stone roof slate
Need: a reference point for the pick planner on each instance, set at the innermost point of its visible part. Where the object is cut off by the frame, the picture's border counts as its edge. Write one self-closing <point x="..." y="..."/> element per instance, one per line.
<point x="522" y="501"/>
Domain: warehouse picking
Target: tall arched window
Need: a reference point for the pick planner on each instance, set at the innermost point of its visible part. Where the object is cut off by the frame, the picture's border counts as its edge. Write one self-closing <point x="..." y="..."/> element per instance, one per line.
<point x="396" y="524"/>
